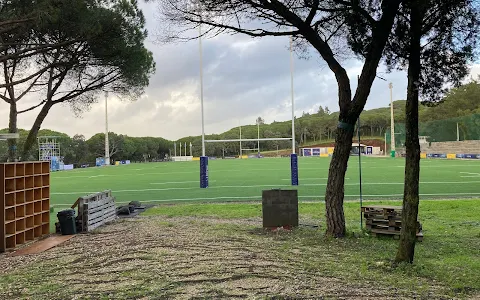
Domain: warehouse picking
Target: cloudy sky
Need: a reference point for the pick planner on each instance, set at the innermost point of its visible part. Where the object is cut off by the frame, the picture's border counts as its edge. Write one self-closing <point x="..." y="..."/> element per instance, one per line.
<point x="243" y="78"/>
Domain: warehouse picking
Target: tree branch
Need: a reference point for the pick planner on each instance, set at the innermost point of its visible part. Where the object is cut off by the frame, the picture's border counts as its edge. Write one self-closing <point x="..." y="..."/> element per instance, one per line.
<point x="31" y="108"/>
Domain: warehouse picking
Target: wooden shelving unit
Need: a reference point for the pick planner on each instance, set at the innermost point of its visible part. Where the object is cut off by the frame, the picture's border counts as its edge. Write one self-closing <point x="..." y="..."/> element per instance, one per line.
<point x="24" y="202"/>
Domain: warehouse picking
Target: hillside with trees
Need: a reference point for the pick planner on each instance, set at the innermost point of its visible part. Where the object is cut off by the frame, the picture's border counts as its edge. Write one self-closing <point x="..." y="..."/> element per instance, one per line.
<point x="315" y="128"/>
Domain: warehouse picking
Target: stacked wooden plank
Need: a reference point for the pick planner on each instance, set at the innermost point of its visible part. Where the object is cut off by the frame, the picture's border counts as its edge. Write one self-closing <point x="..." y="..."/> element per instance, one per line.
<point x="95" y="210"/>
<point x="386" y="220"/>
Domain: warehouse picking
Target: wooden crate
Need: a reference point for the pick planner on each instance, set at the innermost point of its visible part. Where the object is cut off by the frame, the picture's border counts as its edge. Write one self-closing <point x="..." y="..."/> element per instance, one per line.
<point x="25" y="202"/>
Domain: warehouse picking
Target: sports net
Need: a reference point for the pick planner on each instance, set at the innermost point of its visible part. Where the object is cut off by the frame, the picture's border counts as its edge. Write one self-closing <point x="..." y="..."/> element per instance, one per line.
<point x="442" y="130"/>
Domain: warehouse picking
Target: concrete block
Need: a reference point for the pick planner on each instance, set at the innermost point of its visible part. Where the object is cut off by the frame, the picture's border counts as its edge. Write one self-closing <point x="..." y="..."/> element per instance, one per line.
<point x="280" y="208"/>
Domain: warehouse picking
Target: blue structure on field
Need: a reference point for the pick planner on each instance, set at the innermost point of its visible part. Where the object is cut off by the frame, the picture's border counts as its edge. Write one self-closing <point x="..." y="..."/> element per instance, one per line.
<point x="294" y="168"/>
<point x="100" y="161"/>
<point x="203" y="172"/>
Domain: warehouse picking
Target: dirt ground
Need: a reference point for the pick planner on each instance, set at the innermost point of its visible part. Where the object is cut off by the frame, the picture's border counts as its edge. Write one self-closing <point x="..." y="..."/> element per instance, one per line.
<point x="177" y="258"/>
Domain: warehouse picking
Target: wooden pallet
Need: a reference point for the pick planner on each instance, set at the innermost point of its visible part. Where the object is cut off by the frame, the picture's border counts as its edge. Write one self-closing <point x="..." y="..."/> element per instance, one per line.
<point x="386" y="220"/>
<point x="95" y="210"/>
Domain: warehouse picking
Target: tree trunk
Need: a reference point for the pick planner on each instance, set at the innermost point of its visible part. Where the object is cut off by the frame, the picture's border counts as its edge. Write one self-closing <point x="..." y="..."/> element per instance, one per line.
<point x="32" y="135"/>
<point x="12" y="128"/>
<point x="406" y="247"/>
<point x="335" y="187"/>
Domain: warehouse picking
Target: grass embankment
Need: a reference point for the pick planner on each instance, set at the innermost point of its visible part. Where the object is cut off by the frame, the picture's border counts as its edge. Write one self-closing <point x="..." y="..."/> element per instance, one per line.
<point x="448" y="256"/>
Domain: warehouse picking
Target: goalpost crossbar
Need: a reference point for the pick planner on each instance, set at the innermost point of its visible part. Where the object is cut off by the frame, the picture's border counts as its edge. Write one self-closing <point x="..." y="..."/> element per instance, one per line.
<point x="247" y="140"/>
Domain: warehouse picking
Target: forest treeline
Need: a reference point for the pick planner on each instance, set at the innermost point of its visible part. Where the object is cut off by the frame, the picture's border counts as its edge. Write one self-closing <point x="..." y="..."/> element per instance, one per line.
<point x="310" y="128"/>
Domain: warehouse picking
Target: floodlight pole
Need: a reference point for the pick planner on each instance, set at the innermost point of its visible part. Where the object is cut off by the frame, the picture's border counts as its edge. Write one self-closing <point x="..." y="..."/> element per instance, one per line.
<point x="240" y="141"/>
<point x="107" y="147"/>
<point x="392" y="122"/>
<point x="292" y="95"/>
<point x="201" y="86"/>
<point x="258" y="136"/>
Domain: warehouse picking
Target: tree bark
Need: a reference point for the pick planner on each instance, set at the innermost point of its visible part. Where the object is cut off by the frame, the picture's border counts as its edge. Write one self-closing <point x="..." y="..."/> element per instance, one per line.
<point x="12" y="128"/>
<point x="406" y="247"/>
<point x="334" y="194"/>
<point x="32" y="135"/>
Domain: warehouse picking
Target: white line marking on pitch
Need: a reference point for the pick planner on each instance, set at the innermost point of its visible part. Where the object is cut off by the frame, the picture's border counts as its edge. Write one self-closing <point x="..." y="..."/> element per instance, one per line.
<point x="180" y="182"/>
<point x="266" y="185"/>
<point x="302" y="179"/>
<point x="470" y="174"/>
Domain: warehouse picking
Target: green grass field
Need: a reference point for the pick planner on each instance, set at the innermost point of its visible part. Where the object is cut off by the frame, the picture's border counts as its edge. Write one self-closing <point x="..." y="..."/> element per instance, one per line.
<point x="242" y="180"/>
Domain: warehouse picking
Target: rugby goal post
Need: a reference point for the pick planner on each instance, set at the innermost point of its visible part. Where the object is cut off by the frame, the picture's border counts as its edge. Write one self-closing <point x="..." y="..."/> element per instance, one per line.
<point x="204" y="158"/>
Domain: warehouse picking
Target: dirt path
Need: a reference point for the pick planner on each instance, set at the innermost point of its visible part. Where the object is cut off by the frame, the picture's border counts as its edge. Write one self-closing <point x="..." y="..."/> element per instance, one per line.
<point x="177" y="258"/>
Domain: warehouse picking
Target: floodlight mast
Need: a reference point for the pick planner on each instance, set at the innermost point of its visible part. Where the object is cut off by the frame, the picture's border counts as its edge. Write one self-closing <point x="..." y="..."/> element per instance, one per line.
<point x="392" y="122"/>
<point x="107" y="147"/>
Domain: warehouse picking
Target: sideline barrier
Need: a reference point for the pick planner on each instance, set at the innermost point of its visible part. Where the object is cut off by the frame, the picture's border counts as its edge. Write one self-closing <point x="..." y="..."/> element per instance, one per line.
<point x="450" y="156"/>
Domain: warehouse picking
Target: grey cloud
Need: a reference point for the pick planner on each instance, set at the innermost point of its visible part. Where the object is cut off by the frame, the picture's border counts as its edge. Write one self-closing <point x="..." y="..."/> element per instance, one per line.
<point x="240" y="83"/>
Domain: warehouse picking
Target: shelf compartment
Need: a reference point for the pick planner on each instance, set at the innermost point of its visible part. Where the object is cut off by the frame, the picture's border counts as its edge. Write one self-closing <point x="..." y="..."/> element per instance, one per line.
<point x="29" y="169"/>
<point x="37" y="168"/>
<point x="29" y="235"/>
<point x="45" y="167"/>
<point x="37" y="220"/>
<point x="45" y="217"/>
<point x="20" y="183"/>
<point x="10" y="242"/>
<point x="20" y="198"/>
<point x="29" y="196"/>
<point x="10" y="214"/>
<point x="20" y="238"/>
<point x="37" y="231"/>
<point x="19" y="169"/>
<point x="20" y="225"/>
<point x="37" y="194"/>
<point x="46" y="228"/>
<point x="9" y="170"/>
<point x="9" y="200"/>
<point x="29" y="209"/>
<point x="37" y="181"/>
<point x="45" y="193"/>
<point x="29" y="222"/>
<point x="10" y="228"/>
<point x="46" y="205"/>
<point x="37" y="206"/>
<point x="46" y="180"/>
<point x="9" y="185"/>
<point x="29" y="182"/>
<point x="20" y="211"/>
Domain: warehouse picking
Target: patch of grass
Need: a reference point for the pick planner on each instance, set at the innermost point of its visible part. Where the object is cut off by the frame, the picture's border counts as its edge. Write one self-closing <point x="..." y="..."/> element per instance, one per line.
<point x="447" y="257"/>
<point x="219" y="210"/>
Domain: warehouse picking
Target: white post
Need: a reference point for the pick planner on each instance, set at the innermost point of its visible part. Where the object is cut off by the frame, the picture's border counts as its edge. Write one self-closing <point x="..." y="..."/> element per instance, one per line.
<point x="185" y="148"/>
<point x="107" y="147"/>
<point x="458" y="134"/>
<point x="240" y="141"/>
<point x="392" y="122"/>
<point x="201" y="86"/>
<point x="258" y="136"/>
<point x="175" y="148"/>
<point x="291" y="90"/>
<point x="191" y="149"/>
<point x="385" y="143"/>
<point x="180" y="149"/>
